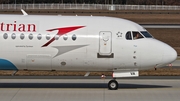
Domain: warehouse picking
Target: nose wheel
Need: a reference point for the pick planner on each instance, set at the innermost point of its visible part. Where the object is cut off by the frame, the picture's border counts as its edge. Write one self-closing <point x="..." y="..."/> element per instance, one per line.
<point x="113" y="85"/>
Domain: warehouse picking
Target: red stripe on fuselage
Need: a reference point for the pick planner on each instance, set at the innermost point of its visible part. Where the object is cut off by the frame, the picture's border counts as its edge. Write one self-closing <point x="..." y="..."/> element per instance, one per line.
<point x="49" y="42"/>
<point x="61" y="31"/>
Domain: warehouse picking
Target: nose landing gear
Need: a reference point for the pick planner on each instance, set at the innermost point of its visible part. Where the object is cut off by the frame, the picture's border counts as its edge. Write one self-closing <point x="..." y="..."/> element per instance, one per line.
<point x="113" y="85"/>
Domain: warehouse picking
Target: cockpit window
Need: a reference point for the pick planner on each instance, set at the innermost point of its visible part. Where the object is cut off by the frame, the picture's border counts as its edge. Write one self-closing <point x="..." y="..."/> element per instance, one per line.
<point x="128" y="36"/>
<point x="137" y="35"/>
<point x="146" y="34"/>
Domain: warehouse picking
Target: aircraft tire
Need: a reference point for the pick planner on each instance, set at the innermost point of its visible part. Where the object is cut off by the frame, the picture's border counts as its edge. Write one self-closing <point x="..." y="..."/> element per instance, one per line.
<point x="113" y="85"/>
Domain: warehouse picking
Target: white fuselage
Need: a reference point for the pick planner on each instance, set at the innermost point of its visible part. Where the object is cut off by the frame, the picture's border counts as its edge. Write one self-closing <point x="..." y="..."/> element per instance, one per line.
<point x="77" y="43"/>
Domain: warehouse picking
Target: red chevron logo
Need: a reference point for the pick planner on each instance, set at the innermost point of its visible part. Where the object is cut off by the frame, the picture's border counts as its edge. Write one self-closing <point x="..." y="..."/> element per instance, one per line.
<point x="61" y="31"/>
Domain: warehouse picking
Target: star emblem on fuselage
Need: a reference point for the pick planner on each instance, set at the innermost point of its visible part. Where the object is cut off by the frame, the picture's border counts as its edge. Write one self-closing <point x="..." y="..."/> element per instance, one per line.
<point x="119" y="34"/>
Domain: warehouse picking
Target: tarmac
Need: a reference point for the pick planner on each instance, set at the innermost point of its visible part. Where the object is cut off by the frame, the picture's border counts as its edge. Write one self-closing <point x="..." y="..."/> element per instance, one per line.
<point x="132" y="89"/>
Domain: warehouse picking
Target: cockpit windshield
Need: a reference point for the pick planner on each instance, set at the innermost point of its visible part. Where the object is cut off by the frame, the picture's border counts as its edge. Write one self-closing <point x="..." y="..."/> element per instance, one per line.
<point x="137" y="35"/>
<point x="128" y="36"/>
<point x="146" y="34"/>
<point x="134" y="35"/>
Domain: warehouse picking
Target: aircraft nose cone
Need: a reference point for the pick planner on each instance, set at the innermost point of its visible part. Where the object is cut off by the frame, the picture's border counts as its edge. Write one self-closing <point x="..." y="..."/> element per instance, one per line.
<point x="169" y="55"/>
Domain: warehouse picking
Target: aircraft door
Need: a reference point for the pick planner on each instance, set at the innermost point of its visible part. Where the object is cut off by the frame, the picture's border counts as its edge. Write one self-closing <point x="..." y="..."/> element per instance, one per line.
<point x="105" y="43"/>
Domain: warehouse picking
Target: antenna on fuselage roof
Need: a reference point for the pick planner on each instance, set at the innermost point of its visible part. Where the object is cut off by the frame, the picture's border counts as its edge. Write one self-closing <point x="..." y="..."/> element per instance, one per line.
<point x="24" y="13"/>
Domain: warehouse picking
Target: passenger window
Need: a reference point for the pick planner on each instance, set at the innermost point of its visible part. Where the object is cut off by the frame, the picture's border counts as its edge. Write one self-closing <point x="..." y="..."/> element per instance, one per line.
<point x="137" y="35"/>
<point x="30" y="36"/>
<point x="13" y="36"/>
<point x="65" y="37"/>
<point x="48" y="36"/>
<point x="128" y="36"/>
<point x="56" y="37"/>
<point x="22" y="36"/>
<point x="5" y="35"/>
<point x="39" y="36"/>
<point x="74" y="37"/>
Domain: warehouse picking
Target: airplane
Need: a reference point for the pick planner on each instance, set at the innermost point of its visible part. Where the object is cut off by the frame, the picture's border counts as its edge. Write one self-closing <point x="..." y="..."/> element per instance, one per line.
<point x="80" y="43"/>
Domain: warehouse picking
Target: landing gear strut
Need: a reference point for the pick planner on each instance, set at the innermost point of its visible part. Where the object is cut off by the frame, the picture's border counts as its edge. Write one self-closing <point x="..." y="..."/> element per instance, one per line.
<point x="113" y="85"/>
